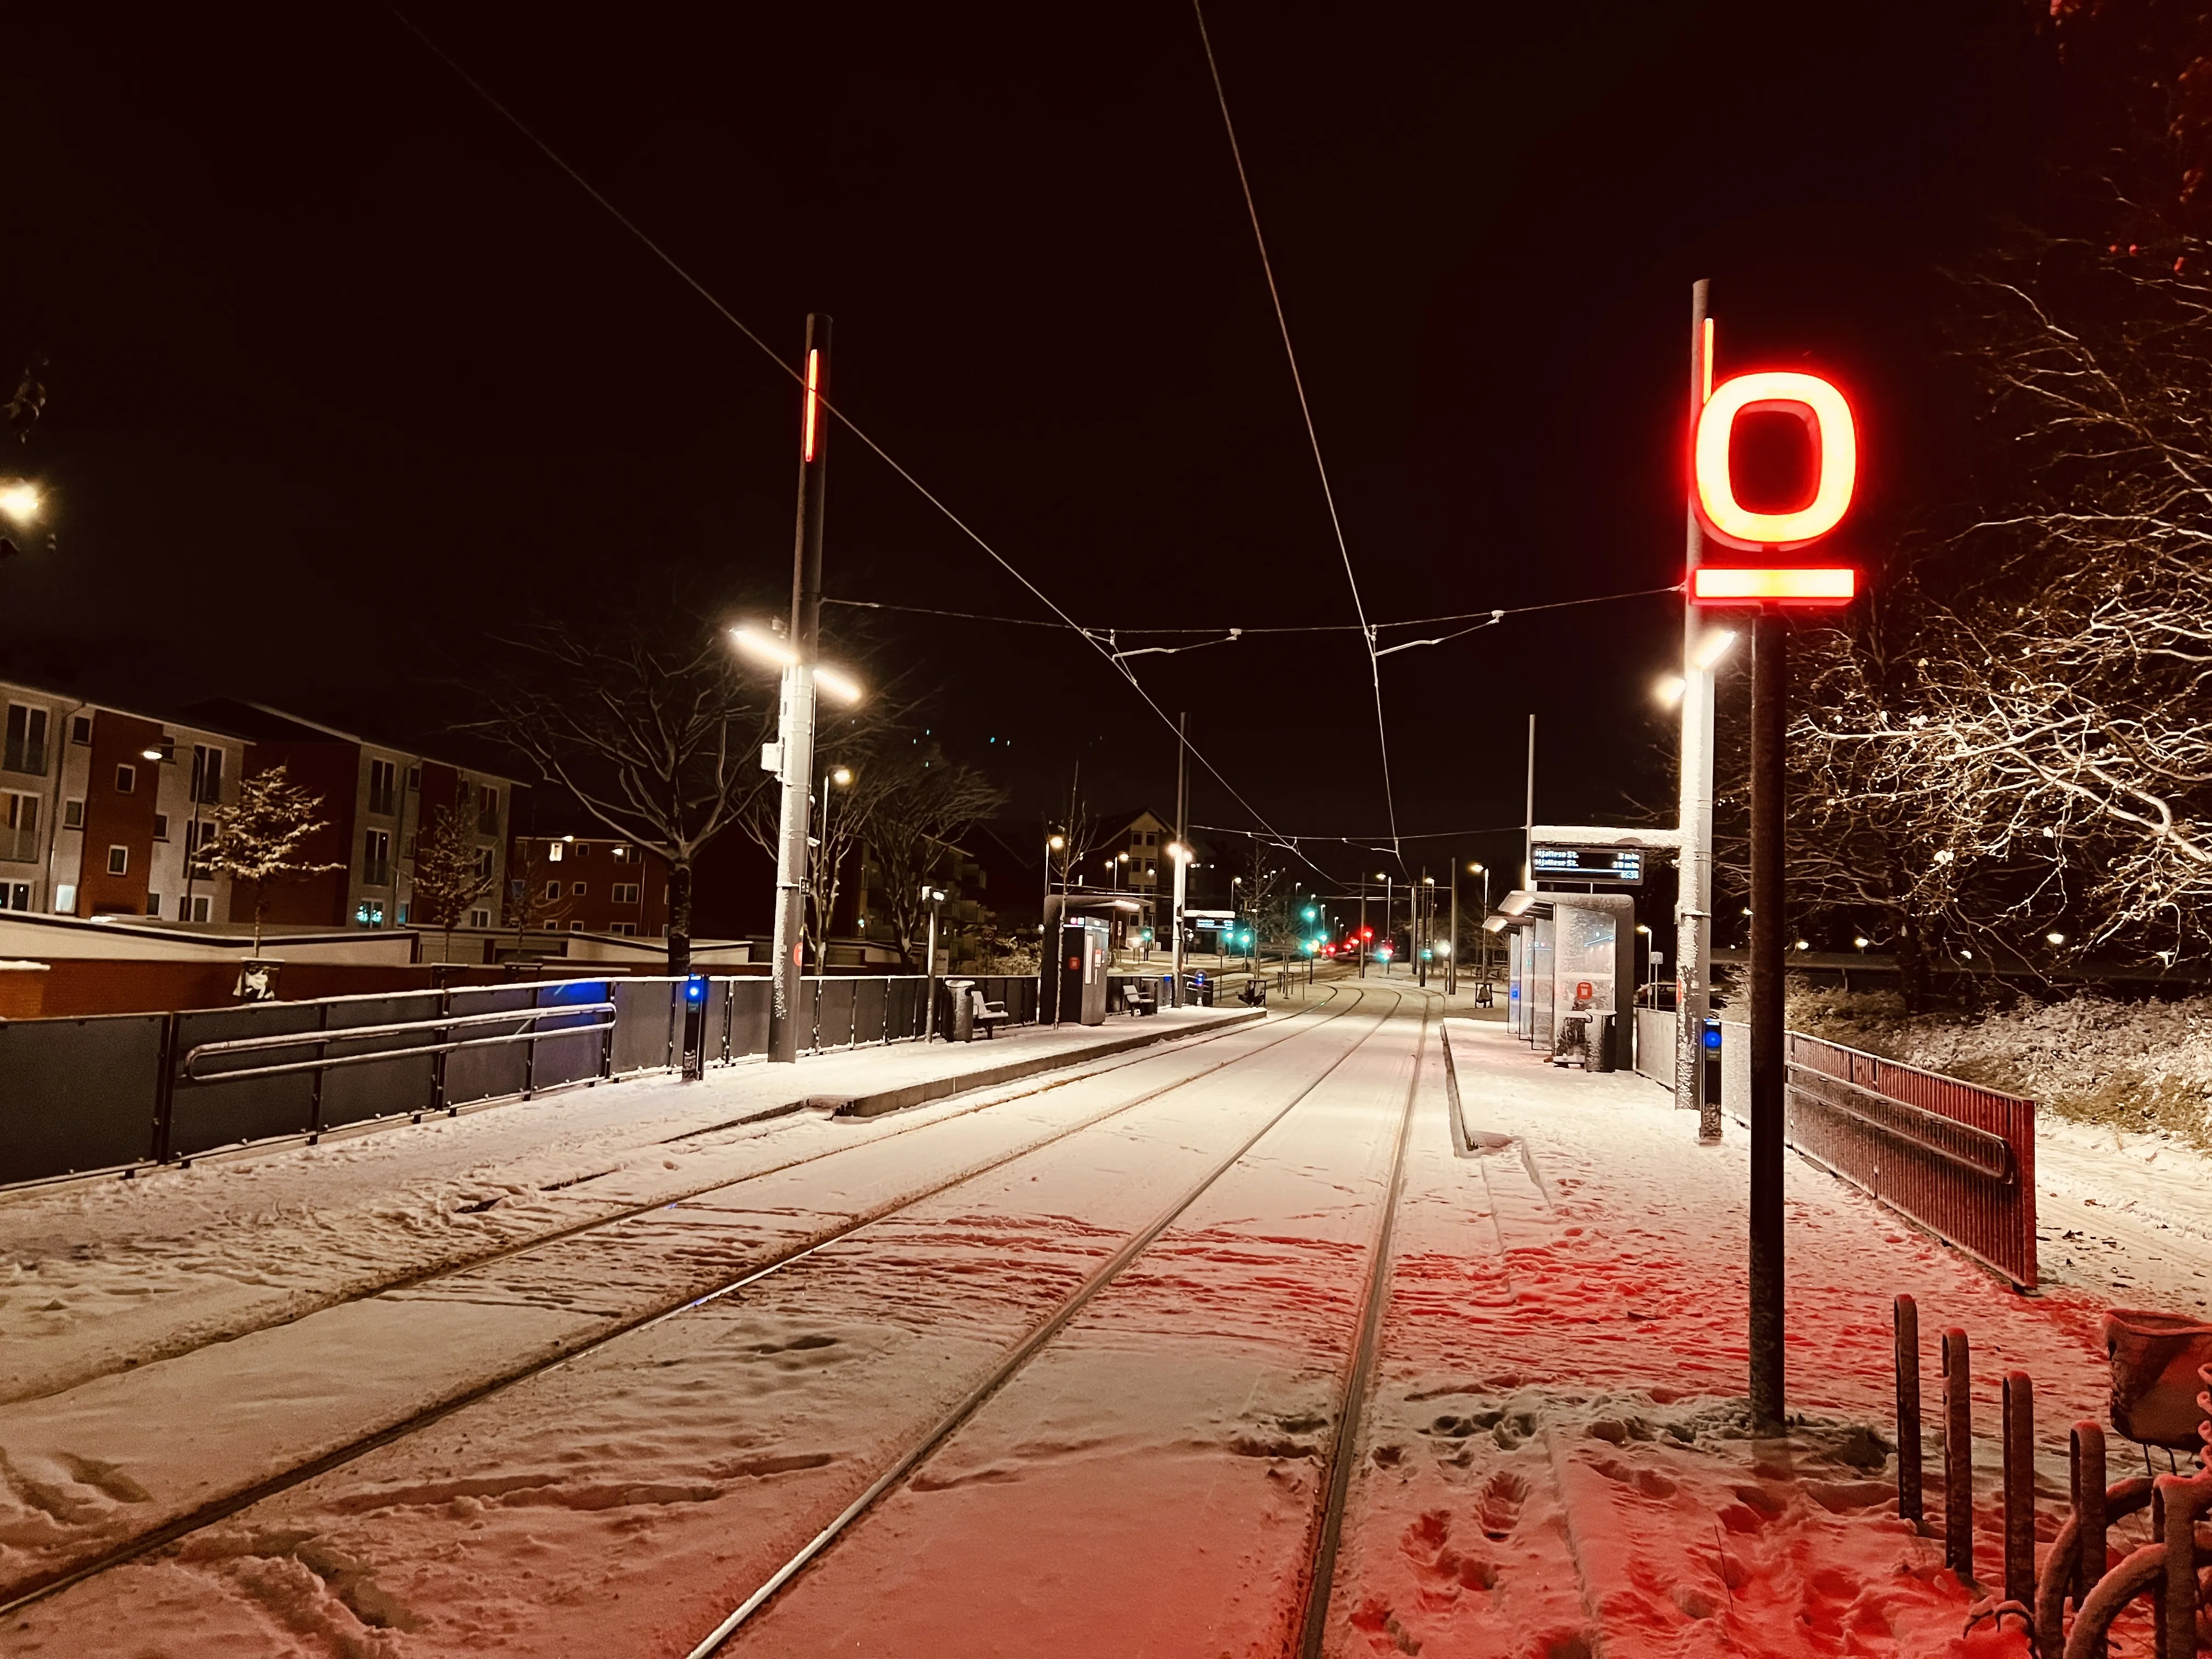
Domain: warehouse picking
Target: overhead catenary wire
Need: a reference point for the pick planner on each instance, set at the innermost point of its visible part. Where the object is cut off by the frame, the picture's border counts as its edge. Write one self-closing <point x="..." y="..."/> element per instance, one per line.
<point x="1105" y="651"/>
<point x="1227" y="633"/>
<point x="1305" y="410"/>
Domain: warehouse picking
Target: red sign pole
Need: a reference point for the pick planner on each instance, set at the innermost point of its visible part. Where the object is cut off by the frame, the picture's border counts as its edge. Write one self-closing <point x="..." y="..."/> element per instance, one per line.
<point x="1770" y="583"/>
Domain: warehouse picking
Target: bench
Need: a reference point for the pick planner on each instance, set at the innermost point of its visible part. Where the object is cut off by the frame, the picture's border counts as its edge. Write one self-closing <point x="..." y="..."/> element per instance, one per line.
<point x="1254" y="994"/>
<point x="1141" y="999"/>
<point x="990" y="1016"/>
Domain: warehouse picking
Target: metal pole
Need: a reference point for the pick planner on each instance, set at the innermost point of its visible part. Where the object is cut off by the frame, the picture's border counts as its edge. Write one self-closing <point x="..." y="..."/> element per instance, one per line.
<point x="1420" y="947"/>
<point x="1183" y="850"/>
<point x="795" y="724"/>
<point x="1910" y="1498"/>
<point x="1958" y="1455"/>
<point x="1363" y="927"/>
<point x="1693" y="901"/>
<point x="1451" y="959"/>
<point x="2020" y="1491"/>
<point x="1389" y="903"/>
<point x="1528" y="822"/>
<point x="1769" y="696"/>
<point x="929" y="987"/>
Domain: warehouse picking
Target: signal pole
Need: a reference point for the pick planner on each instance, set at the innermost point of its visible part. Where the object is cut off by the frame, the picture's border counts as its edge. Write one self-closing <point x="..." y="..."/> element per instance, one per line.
<point x="795" y="721"/>
<point x="1181" y="851"/>
<point x="1770" y="700"/>
<point x="1693" y="901"/>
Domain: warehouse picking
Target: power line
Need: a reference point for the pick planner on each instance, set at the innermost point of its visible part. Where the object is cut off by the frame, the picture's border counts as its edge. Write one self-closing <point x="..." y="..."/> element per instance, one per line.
<point x="1251" y="207"/>
<point x="731" y="317"/>
<point x="1224" y="634"/>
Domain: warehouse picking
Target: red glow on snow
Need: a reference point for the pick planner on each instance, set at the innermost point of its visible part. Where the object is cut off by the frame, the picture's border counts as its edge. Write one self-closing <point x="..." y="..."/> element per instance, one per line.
<point x="1824" y="409"/>
<point x="1725" y="584"/>
<point x="813" y="398"/>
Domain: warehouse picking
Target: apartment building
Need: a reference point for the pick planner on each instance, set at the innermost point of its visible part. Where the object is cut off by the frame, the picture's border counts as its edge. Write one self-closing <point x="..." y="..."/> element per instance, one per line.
<point x="587" y="885"/>
<point x="378" y="799"/>
<point x="100" y="808"/>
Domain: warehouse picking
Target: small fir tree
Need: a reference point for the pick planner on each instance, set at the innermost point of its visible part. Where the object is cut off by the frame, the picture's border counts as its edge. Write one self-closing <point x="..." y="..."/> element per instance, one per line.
<point x="264" y="839"/>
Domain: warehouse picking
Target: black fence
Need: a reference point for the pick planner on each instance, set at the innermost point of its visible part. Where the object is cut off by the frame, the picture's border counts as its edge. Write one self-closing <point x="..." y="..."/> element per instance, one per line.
<point x="117" y="1092"/>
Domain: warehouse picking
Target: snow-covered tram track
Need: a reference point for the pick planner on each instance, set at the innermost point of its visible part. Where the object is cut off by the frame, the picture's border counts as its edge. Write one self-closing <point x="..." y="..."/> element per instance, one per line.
<point x="1328" y="1514"/>
<point x="110" y="1552"/>
<point x="455" y="1266"/>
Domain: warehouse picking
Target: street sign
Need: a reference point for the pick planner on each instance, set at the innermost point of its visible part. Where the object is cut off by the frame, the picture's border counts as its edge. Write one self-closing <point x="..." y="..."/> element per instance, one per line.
<point x="1775" y="578"/>
<point x="1623" y="866"/>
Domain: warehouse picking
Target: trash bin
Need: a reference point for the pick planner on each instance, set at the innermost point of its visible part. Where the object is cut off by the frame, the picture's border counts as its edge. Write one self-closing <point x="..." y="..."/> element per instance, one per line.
<point x="963" y="1010"/>
<point x="1603" y="1030"/>
<point x="1197" y="991"/>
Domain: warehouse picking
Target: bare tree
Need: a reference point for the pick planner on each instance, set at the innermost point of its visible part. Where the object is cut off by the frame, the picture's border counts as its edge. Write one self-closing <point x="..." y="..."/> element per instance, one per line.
<point x="533" y="897"/>
<point x="842" y="816"/>
<point x="451" y="872"/>
<point x="926" y="805"/>
<point x="263" y="840"/>
<point x="657" y="739"/>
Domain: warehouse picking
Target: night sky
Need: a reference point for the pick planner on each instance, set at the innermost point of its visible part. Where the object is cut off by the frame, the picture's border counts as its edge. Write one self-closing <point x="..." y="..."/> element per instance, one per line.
<point x="347" y="377"/>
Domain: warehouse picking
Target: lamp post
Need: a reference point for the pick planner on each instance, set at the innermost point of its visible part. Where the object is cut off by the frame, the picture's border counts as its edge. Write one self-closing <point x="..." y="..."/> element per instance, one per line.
<point x="1451" y="960"/>
<point x="1425" y="939"/>
<point x="936" y="897"/>
<point x="1180" y="855"/>
<point x="1389" y="903"/>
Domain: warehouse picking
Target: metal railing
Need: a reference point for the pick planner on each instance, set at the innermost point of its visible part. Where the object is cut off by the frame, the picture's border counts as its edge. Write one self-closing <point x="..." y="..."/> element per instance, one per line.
<point x="324" y="1038"/>
<point x="1955" y="1157"/>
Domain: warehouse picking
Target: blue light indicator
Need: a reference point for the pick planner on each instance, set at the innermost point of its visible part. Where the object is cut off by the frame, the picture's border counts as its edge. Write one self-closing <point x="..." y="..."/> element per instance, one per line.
<point x="1712" y="1034"/>
<point x="694" y="988"/>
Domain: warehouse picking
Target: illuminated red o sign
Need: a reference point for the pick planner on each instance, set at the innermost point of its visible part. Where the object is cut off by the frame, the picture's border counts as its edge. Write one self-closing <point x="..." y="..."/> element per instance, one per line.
<point x="1822" y="408"/>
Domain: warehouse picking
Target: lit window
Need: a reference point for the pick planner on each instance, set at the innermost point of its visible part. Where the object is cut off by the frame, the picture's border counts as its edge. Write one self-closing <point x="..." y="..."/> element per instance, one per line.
<point x="119" y="860"/>
<point x="552" y="852"/>
<point x="65" y="899"/>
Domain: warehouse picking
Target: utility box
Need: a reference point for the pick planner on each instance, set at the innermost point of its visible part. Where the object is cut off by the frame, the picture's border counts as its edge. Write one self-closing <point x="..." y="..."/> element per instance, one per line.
<point x="1709" y="1063"/>
<point x="1082" y="972"/>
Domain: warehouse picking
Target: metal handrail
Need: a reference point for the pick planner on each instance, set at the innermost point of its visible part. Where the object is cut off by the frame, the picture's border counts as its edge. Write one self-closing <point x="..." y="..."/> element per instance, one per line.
<point x="1999" y="1163"/>
<point x="304" y="1039"/>
<point x="396" y="1054"/>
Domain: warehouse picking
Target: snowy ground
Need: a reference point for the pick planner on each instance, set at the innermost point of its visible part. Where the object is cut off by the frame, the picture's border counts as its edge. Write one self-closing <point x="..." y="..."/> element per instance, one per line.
<point x="1552" y="1463"/>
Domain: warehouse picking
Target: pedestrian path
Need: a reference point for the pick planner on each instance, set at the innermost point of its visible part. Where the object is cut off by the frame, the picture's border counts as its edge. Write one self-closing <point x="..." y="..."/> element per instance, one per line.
<point x="1557" y="1459"/>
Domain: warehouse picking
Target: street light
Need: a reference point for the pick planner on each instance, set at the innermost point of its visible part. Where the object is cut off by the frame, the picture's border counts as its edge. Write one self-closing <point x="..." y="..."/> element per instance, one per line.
<point x="20" y="503"/>
<point x="1180" y="856"/>
<point x="759" y="643"/>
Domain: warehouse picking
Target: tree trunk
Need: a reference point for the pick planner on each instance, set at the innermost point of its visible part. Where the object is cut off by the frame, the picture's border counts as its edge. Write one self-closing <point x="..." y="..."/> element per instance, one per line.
<point x="679" y="916"/>
<point x="260" y="902"/>
<point x="1911" y="964"/>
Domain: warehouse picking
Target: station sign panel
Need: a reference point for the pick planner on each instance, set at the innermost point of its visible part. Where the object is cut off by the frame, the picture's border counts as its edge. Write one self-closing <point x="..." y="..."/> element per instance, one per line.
<point x="1623" y="866"/>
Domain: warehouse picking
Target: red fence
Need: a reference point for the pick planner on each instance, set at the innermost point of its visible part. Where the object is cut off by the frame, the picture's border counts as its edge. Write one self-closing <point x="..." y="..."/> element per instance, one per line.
<point x="1956" y="1158"/>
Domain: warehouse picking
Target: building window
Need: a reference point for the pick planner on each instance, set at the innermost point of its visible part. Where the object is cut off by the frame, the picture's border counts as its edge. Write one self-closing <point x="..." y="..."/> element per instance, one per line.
<point x="483" y="861"/>
<point x="376" y="858"/>
<point x="488" y="813"/>
<point x="197" y="835"/>
<point x="80" y="729"/>
<point x="575" y="926"/>
<point x="126" y="780"/>
<point x="479" y="918"/>
<point x="65" y="899"/>
<point x="580" y="849"/>
<point x="552" y="890"/>
<point x="402" y="915"/>
<point x="207" y="774"/>
<point x="160" y="826"/>
<point x="620" y="855"/>
<point x="626" y="929"/>
<point x="381" y="790"/>
<point x="578" y="891"/>
<point x="370" y="913"/>
<point x="553" y="852"/>
<point x="27" y="740"/>
<point x="197" y="905"/>
<point x="119" y="860"/>
<point x="14" y="895"/>
<point x="72" y="814"/>
<point x="154" y="904"/>
<point x="625" y="892"/>
<point x="19" y="828"/>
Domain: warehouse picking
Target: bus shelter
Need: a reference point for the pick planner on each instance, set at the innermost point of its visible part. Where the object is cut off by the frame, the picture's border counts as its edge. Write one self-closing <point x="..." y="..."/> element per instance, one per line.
<point x="1570" y="953"/>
